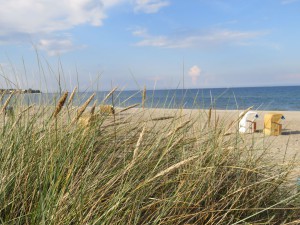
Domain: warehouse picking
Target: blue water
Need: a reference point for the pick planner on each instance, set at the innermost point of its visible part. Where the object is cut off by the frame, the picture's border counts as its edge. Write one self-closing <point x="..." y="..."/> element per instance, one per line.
<point x="261" y="98"/>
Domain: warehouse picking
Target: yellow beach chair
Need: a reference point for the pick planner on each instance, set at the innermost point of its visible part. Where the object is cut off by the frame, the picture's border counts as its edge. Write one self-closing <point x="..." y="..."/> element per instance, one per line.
<point x="272" y="125"/>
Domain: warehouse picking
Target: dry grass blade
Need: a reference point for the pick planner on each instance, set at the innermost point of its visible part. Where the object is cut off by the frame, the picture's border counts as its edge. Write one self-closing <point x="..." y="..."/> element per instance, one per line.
<point x="129" y="107"/>
<point x="162" y="118"/>
<point x="295" y="222"/>
<point x="115" y="124"/>
<point x="172" y="168"/>
<point x="176" y="142"/>
<point x="83" y="107"/>
<point x="19" y="117"/>
<point x="267" y="208"/>
<point x="7" y="102"/>
<point x="178" y="128"/>
<point x="109" y="94"/>
<point x="2" y="96"/>
<point x="135" y="152"/>
<point x="72" y="96"/>
<point x="244" y="113"/>
<point x="209" y="117"/>
<point x="144" y="97"/>
<point x="92" y="111"/>
<point x="60" y="104"/>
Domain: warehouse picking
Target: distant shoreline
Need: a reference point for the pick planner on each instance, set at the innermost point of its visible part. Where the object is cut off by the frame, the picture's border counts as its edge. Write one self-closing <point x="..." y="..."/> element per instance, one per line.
<point x="21" y="91"/>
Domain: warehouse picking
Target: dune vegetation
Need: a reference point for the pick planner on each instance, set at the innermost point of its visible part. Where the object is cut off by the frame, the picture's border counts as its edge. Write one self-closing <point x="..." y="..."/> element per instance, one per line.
<point x="68" y="164"/>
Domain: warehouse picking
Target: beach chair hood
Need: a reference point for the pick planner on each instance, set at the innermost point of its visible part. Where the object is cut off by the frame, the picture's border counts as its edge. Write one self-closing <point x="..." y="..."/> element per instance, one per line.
<point x="272" y="118"/>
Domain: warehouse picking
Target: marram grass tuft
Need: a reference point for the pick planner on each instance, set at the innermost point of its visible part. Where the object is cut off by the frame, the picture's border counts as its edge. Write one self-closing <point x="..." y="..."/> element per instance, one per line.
<point x="136" y="167"/>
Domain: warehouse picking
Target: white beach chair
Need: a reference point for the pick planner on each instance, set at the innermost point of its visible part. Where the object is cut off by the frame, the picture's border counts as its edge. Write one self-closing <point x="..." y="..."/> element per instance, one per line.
<point x="247" y="123"/>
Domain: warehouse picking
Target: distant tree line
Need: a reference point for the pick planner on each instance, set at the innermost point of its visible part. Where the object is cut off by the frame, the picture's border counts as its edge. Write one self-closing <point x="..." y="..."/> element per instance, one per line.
<point x="19" y="91"/>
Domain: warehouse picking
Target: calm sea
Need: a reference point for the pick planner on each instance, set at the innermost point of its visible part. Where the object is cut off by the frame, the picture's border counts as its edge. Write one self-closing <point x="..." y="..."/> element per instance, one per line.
<point x="262" y="98"/>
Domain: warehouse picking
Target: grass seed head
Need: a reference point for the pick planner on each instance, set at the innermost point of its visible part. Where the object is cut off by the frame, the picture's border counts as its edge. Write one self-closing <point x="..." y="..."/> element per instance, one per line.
<point x="92" y="111"/>
<point x="109" y="94"/>
<point x="3" y="109"/>
<point x="60" y="104"/>
<point x="83" y="107"/>
<point x="107" y="109"/>
<point x="72" y="96"/>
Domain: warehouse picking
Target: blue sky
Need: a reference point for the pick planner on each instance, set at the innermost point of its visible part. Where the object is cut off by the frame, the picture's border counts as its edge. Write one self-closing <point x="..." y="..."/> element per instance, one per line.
<point x="132" y="43"/>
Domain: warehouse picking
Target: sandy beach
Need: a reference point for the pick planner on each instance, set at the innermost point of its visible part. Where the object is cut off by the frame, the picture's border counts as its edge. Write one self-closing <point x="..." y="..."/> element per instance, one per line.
<point x="283" y="147"/>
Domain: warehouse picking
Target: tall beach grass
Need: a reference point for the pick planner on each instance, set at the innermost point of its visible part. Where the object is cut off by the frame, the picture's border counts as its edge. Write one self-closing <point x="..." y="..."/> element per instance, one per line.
<point x="138" y="166"/>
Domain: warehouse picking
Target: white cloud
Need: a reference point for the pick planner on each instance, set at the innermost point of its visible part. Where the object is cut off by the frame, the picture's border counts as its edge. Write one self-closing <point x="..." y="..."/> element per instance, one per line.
<point x="31" y="21"/>
<point x="196" y="39"/>
<point x="194" y="73"/>
<point x="140" y="32"/>
<point x="46" y="16"/>
<point x="150" y="6"/>
<point x="158" y="41"/>
<point x="24" y="21"/>
<point x="56" y="46"/>
<point x="111" y="3"/>
<point x="31" y="16"/>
